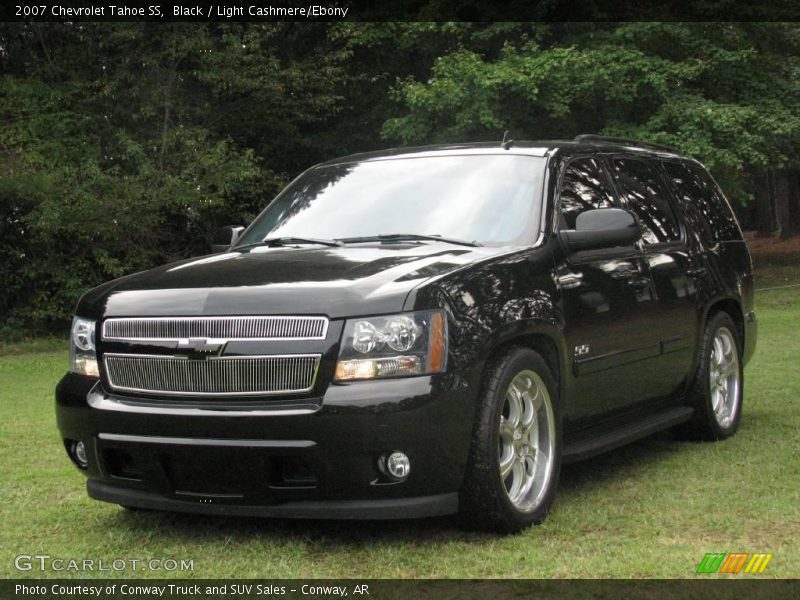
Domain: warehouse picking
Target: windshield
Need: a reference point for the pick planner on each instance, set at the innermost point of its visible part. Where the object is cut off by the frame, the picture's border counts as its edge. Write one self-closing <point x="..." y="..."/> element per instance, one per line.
<point x="490" y="199"/>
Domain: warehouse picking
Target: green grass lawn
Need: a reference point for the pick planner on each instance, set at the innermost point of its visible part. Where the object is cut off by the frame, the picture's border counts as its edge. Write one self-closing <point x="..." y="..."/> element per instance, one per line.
<point x="652" y="509"/>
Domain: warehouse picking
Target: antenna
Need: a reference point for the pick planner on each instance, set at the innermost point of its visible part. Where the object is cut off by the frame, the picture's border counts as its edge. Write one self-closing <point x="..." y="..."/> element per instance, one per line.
<point x="506" y="143"/>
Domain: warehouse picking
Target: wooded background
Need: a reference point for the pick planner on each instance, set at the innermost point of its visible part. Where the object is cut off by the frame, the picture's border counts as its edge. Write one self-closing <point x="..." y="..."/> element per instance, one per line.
<point x="126" y="145"/>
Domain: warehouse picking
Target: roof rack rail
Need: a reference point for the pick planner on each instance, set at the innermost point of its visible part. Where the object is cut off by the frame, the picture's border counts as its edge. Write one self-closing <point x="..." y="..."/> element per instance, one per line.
<point x="589" y="138"/>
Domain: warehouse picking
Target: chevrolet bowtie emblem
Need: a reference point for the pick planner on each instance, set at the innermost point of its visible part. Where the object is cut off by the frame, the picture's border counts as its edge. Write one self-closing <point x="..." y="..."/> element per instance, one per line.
<point x="201" y="347"/>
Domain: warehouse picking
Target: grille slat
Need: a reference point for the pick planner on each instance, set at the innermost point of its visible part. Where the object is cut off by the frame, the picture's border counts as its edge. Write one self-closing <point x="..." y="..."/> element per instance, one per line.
<point x="226" y="376"/>
<point x="228" y="328"/>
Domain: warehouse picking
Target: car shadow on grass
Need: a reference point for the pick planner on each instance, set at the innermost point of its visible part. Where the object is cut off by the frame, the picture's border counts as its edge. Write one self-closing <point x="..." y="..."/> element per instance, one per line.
<point x="320" y="532"/>
<point x="621" y="463"/>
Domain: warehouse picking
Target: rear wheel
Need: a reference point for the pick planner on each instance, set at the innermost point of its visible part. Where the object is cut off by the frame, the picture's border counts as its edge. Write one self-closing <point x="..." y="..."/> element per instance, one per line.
<point x="716" y="393"/>
<point x="516" y="453"/>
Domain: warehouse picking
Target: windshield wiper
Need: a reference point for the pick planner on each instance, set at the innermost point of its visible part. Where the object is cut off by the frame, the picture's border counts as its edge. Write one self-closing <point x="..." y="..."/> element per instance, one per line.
<point x="400" y="237"/>
<point x="288" y="241"/>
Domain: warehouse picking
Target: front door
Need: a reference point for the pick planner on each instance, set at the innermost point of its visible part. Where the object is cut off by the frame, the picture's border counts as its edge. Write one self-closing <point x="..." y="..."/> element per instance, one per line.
<point x="608" y="303"/>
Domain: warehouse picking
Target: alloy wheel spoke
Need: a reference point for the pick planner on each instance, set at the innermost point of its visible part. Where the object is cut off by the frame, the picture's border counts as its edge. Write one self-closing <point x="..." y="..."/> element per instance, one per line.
<point x="528" y="470"/>
<point x="533" y="438"/>
<point x="506" y="429"/>
<point x="514" y="406"/>
<point x="517" y="479"/>
<point x="727" y="349"/>
<point x="538" y="399"/>
<point x="719" y="352"/>
<point x="529" y="412"/>
<point x="506" y="463"/>
<point x="727" y="369"/>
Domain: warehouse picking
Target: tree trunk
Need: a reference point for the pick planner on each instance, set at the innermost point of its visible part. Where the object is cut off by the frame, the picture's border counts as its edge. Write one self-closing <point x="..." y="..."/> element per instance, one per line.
<point x="765" y="208"/>
<point x="782" y="214"/>
<point x="793" y="226"/>
<point x="777" y="206"/>
<point x="787" y="202"/>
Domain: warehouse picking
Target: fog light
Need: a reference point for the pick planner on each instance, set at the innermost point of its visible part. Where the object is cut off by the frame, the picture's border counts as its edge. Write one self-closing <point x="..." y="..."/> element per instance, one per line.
<point x="398" y="465"/>
<point x="79" y="454"/>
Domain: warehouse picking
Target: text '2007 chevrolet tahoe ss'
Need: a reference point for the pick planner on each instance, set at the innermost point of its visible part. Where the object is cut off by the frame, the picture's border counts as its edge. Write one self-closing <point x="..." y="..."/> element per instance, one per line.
<point x="419" y="332"/>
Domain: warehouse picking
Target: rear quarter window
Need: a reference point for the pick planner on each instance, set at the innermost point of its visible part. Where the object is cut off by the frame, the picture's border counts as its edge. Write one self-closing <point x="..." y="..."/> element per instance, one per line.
<point x="703" y="201"/>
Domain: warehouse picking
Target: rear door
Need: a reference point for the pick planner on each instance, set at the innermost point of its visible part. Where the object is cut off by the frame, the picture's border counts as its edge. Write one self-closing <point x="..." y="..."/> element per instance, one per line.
<point x="608" y="303"/>
<point x="644" y="191"/>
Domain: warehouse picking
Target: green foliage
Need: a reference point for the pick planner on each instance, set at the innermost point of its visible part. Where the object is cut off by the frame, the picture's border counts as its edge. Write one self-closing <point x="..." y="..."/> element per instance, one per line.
<point x="126" y="146"/>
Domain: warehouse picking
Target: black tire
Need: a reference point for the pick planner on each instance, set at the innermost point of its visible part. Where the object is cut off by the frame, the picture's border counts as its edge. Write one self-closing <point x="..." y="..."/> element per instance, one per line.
<point x="484" y="500"/>
<point x="704" y="424"/>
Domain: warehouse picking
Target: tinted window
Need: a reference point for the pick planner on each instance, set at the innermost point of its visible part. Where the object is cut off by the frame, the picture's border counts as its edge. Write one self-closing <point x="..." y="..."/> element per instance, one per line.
<point x="583" y="187"/>
<point x="493" y="199"/>
<point x="643" y="192"/>
<point x="704" y="201"/>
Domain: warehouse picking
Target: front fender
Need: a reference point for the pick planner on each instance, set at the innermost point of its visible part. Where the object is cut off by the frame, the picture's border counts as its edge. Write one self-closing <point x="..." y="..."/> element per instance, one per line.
<point x="496" y="302"/>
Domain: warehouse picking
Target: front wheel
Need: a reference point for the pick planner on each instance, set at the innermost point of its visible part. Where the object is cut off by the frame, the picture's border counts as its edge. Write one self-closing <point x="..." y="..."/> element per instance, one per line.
<point x="515" y="456"/>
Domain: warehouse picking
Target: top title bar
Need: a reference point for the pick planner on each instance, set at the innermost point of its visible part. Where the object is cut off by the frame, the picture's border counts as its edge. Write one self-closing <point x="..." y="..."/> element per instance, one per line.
<point x="175" y="11"/>
<point x="407" y="10"/>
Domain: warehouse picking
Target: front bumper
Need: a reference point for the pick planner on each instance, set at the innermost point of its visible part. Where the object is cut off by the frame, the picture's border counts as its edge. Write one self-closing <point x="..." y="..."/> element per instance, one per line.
<point x="316" y="463"/>
<point x="398" y="508"/>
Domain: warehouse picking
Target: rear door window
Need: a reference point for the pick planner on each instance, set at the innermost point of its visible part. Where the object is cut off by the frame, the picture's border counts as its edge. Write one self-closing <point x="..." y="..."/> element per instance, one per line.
<point x="644" y="192"/>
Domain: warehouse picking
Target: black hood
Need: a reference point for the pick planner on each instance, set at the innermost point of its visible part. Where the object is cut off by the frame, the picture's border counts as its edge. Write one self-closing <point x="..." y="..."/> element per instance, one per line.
<point x="338" y="282"/>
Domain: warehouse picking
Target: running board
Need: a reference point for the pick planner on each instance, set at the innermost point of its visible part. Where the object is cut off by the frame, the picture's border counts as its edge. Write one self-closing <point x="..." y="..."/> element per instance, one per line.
<point x="605" y="438"/>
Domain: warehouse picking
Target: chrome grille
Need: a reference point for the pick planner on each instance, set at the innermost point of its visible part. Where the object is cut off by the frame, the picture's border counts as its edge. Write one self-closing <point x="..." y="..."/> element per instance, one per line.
<point x="218" y="376"/>
<point x="163" y="329"/>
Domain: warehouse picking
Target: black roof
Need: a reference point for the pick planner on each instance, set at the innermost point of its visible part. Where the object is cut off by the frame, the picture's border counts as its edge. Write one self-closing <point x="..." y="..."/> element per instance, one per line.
<point x="524" y="148"/>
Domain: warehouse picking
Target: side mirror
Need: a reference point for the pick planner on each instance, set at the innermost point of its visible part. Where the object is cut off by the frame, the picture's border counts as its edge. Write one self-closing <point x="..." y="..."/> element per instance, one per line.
<point x="226" y="237"/>
<point x="602" y="228"/>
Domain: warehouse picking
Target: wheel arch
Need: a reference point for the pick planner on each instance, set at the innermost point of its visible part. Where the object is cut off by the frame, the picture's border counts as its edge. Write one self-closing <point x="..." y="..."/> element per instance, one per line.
<point x="734" y="310"/>
<point x="729" y="306"/>
<point x="544" y="339"/>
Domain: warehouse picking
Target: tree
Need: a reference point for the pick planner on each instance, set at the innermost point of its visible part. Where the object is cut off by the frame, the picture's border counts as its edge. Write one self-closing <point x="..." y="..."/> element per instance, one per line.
<point x="125" y="145"/>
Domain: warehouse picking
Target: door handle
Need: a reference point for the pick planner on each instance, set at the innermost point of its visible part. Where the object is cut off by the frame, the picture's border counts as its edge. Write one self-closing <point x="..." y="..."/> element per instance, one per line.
<point x="569" y="280"/>
<point x="639" y="282"/>
<point x="696" y="271"/>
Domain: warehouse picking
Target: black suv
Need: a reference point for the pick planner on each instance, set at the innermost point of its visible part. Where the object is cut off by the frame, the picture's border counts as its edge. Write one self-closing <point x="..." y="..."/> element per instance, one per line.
<point x="419" y="332"/>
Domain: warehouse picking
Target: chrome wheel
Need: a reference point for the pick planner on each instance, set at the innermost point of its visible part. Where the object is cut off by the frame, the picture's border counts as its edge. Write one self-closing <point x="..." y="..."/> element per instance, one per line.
<point x="723" y="376"/>
<point x="526" y="438"/>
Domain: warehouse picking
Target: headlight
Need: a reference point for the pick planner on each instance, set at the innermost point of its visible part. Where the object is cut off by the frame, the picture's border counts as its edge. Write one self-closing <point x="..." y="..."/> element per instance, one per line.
<point x="393" y="346"/>
<point x="82" y="354"/>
